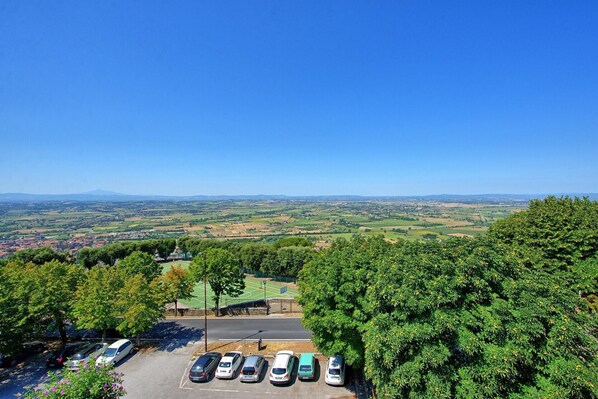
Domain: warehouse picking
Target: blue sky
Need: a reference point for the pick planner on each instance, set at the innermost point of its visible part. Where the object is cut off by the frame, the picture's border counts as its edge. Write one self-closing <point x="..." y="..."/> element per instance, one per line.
<point x="299" y="98"/>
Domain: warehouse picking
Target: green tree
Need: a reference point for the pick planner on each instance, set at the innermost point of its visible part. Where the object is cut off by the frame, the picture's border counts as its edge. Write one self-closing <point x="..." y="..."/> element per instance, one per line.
<point x="141" y="262"/>
<point x="332" y="290"/>
<point x="293" y="242"/>
<point x="252" y="254"/>
<point x="39" y="256"/>
<point x="141" y="304"/>
<point x="178" y="283"/>
<point x="96" y="304"/>
<point x="165" y="247"/>
<point x="12" y="330"/>
<point x="222" y="272"/>
<point x="292" y="259"/>
<point x="52" y="297"/>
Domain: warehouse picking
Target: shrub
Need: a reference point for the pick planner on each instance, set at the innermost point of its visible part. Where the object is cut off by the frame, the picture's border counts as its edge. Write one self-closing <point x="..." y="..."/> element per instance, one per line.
<point x="90" y="382"/>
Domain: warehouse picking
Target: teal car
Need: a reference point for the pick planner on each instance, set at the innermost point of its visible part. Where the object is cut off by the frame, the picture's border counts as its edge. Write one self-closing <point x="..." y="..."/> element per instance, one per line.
<point x="307" y="366"/>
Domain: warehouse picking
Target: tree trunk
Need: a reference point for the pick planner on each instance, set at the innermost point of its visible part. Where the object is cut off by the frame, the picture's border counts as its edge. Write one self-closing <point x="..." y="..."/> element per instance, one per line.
<point x="217" y="306"/>
<point x="62" y="331"/>
<point x="61" y="327"/>
<point x="103" y="335"/>
<point x="176" y="308"/>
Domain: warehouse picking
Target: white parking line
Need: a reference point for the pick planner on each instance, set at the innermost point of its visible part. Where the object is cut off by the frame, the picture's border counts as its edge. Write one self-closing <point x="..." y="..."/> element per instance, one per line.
<point x="184" y="380"/>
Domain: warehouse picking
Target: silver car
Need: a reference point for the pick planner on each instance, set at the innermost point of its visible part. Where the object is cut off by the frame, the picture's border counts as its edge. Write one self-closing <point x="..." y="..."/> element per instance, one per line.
<point x="86" y="355"/>
<point x="252" y="368"/>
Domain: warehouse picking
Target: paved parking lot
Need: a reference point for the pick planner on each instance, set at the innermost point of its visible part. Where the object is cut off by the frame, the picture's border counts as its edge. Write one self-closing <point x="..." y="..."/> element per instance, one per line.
<point x="164" y="374"/>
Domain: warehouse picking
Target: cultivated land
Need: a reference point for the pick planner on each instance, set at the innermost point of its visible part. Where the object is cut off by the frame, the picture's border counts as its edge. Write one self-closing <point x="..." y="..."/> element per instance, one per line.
<point x="72" y="225"/>
<point x="254" y="290"/>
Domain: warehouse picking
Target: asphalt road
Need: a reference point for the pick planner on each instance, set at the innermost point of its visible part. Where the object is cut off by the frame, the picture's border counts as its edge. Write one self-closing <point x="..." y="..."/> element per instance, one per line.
<point x="267" y="328"/>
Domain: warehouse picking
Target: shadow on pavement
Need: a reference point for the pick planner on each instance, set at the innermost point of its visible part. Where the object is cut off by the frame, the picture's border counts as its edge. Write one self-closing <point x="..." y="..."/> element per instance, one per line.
<point x="170" y="336"/>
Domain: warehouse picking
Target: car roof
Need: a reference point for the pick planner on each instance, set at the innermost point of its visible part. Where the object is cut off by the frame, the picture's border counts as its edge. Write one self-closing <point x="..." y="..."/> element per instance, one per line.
<point x="119" y="343"/>
<point x="250" y="361"/>
<point x="306" y="358"/>
<point x="230" y="355"/>
<point x="203" y="359"/>
<point x="282" y="359"/>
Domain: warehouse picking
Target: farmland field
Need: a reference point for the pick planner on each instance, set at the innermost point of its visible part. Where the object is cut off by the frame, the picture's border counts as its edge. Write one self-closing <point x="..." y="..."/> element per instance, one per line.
<point x="69" y="226"/>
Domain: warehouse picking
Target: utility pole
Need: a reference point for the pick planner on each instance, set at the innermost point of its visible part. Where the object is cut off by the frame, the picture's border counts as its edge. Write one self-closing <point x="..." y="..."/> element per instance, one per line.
<point x="205" y="302"/>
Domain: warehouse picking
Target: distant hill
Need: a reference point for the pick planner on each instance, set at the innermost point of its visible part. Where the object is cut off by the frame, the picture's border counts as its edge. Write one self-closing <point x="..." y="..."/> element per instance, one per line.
<point x="109" y="196"/>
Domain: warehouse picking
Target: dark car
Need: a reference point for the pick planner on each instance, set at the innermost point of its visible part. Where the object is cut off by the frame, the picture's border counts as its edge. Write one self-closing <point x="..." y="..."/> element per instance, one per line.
<point x="59" y="357"/>
<point x="23" y="353"/>
<point x="201" y="369"/>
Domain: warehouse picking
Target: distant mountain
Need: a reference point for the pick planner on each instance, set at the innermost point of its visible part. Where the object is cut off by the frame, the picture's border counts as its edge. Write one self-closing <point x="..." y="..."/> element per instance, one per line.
<point x="109" y="196"/>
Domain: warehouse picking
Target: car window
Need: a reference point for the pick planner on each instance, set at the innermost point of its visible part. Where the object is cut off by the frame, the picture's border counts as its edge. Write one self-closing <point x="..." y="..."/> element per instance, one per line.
<point x="305" y="368"/>
<point x="110" y="352"/>
<point x="224" y="364"/>
<point x="334" y="372"/>
<point x="279" y="370"/>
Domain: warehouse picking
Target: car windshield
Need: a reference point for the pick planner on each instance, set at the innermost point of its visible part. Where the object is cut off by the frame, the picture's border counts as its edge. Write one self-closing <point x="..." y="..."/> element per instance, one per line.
<point x="110" y="352"/>
<point x="305" y="368"/>
<point x="334" y="371"/>
<point x="224" y="364"/>
<point x="279" y="371"/>
<point x="198" y="368"/>
<point x="248" y="370"/>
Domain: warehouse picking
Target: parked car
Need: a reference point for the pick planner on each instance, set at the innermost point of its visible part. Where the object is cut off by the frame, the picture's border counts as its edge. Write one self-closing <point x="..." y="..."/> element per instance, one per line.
<point x="282" y="368"/>
<point x="252" y="368"/>
<point x="307" y="366"/>
<point x="85" y="355"/>
<point x="229" y="364"/>
<point x="59" y="357"/>
<point x="115" y="353"/>
<point x="23" y="353"/>
<point x="335" y="371"/>
<point x="201" y="369"/>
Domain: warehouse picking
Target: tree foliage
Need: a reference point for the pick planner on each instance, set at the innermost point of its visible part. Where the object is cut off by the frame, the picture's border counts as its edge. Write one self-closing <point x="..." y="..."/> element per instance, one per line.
<point x="54" y="285"/>
<point x="177" y="283"/>
<point x="96" y="304"/>
<point x="142" y="263"/>
<point x="140" y="305"/>
<point x="222" y="271"/>
<point x="497" y="316"/>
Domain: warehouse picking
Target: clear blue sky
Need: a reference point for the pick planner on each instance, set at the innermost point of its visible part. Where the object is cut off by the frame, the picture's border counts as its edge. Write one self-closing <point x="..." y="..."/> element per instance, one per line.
<point x="298" y="97"/>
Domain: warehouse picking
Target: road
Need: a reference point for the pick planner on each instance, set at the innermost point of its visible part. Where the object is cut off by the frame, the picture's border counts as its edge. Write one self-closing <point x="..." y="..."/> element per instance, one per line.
<point x="267" y="328"/>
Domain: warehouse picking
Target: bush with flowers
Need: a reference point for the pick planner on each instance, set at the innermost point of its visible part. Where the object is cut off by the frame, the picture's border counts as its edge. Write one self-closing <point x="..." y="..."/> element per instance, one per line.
<point x="89" y="382"/>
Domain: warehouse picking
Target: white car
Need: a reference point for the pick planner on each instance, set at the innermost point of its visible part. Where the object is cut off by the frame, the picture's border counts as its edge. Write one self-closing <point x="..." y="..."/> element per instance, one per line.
<point x="335" y="371"/>
<point x="85" y="355"/>
<point x="282" y="368"/>
<point x="229" y="364"/>
<point x="115" y="353"/>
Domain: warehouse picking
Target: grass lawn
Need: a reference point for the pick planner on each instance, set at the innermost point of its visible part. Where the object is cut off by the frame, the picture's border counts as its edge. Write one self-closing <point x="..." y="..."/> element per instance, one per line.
<point x="254" y="290"/>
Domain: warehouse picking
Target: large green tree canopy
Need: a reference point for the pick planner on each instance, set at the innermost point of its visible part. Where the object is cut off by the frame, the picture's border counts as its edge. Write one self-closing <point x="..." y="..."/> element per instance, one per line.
<point x="500" y="316"/>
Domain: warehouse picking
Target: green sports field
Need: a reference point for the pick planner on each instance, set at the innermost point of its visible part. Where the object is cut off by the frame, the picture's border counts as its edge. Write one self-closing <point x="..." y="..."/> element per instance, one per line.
<point x="254" y="290"/>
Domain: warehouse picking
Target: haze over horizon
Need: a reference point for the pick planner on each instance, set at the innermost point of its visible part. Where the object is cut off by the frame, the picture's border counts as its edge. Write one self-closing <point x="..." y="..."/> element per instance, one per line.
<point x="299" y="99"/>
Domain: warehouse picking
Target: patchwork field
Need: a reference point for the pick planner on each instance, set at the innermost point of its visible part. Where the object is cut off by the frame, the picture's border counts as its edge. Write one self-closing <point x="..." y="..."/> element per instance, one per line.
<point x="73" y="225"/>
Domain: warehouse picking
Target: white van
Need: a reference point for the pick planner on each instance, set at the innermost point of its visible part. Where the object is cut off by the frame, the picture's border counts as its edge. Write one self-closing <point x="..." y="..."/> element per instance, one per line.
<point x="115" y="353"/>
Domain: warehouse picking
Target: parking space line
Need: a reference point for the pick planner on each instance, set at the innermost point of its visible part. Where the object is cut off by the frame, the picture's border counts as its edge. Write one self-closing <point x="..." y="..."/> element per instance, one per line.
<point x="183" y="379"/>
